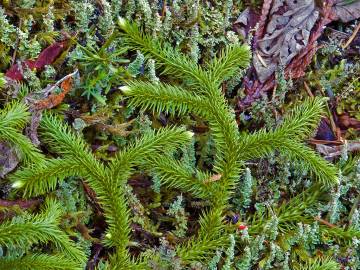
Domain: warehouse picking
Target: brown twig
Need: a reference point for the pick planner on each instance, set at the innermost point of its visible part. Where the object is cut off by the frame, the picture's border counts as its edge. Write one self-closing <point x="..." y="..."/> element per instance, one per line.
<point x="213" y="178"/>
<point x="163" y="11"/>
<point x="314" y="141"/>
<point x="308" y="90"/>
<point x="16" y="44"/>
<point x="325" y="222"/>
<point x="91" y="195"/>
<point x="274" y="93"/>
<point x="352" y="37"/>
<point x="262" y="61"/>
<point x="334" y="151"/>
<point x="24" y="204"/>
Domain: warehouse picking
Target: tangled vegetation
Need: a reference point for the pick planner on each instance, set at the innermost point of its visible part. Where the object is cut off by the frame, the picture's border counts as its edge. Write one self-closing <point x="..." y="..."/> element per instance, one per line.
<point x="123" y="144"/>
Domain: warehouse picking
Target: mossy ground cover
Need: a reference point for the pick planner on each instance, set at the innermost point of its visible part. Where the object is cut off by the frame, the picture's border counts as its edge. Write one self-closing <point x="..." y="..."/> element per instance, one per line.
<point x="125" y="142"/>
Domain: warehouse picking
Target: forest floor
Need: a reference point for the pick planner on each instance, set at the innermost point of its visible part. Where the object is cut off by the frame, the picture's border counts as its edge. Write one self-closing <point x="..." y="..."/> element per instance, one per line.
<point x="78" y="87"/>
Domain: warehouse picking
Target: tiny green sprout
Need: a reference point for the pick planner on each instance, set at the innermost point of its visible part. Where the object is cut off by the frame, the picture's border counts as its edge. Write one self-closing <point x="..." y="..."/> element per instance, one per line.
<point x="121" y="21"/>
<point x="189" y="134"/>
<point x="17" y="184"/>
<point x="125" y="89"/>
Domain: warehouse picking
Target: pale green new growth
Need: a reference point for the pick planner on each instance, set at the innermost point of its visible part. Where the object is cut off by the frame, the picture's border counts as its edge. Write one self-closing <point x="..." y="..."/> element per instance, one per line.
<point x="43" y="176"/>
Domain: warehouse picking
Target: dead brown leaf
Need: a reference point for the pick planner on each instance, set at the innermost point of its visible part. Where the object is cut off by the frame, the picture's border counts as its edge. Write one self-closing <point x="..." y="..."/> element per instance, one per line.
<point x="46" y="57"/>
<point x="246" y="22"/>
<point x="99" y="121"/>
<point x="286" y="34"/>
<point x="346" y="11"/>
<point x="331" y="152"/>
<point x="46" y="99"/>
<point x="286" y="37"/>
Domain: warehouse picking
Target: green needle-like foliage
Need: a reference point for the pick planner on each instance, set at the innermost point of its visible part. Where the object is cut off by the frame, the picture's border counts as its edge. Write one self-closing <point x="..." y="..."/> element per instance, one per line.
<point x="172" y="62"/>
<point x="107" y="181"/>
<point x="173" y="174"/>
<point x="26" y="230"/>
<point x="163" y="97"/>
<point x="199" y="94"/>
<point x="228" y="63"/>
<point x="233" y="148"/>
<point x="210" y="237"/>
<point x="290" y="213"/>
<point x="43" y="176"/>
<point x="39" y="262"/>
<point x="319" y="264"/>
<point x="345" y="236"/>
<point x="13" y="119"/>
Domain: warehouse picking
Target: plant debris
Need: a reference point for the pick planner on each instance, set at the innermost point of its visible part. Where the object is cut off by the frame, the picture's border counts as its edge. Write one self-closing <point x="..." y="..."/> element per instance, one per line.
<point x="8" y="159"/>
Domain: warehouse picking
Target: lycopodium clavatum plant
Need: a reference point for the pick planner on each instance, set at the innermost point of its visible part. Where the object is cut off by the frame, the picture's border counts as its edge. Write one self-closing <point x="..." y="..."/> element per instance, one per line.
<point x="198" y="91"/>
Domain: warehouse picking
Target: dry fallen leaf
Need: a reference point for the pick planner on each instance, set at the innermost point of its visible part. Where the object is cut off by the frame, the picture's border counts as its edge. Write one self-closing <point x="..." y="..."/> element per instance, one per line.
<point x="346" y="10"/>
<point x="46" y="99"/>
<point x="286" y="34"/>
<point x="246" y="21"/>
<point x="46" y="57"/>
<point x="286" y="38"/>
<point x="54" y="99"/>
<point x="330" y="152"/>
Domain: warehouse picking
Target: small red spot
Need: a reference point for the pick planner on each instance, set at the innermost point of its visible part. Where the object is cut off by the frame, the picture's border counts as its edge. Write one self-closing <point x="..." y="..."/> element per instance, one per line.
<point x="242" y="227"/>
